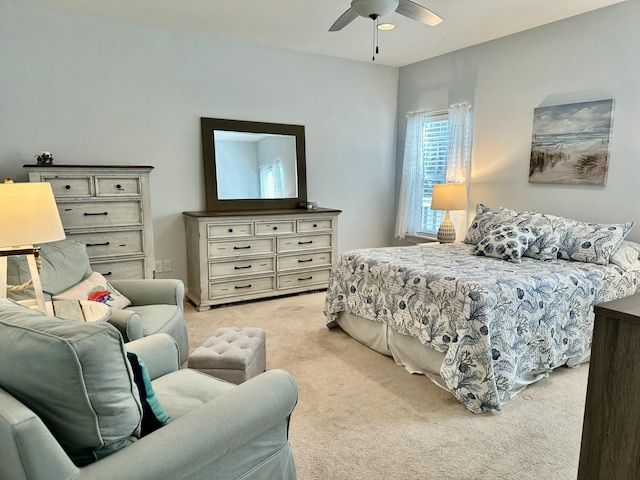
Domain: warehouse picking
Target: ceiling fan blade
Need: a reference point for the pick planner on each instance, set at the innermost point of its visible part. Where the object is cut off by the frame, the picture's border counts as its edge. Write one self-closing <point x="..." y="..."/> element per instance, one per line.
<point x="418" y="12"/>
<point x="345" y="19"/>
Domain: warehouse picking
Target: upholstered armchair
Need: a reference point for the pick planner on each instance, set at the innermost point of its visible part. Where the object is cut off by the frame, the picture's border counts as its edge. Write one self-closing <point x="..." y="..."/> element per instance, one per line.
<point x="156" y="305"/>
<point x="71" y="408"/>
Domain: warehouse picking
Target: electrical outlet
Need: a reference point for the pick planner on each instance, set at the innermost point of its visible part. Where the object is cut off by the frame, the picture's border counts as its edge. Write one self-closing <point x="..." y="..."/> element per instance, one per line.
<point x="167" y="265"/>
<point x="158" y="266"/>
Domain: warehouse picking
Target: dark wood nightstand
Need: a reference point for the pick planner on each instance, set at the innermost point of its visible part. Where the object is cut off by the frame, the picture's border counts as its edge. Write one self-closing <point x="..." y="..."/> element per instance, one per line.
<point x="611" y="430"/>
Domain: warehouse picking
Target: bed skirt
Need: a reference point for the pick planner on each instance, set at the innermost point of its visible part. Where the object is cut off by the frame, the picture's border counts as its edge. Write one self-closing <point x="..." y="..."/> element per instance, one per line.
<point x="418" y="358"/>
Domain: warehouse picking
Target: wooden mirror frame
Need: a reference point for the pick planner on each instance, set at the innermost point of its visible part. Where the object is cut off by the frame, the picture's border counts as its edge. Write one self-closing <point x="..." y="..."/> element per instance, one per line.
<point x="209" y="125"/>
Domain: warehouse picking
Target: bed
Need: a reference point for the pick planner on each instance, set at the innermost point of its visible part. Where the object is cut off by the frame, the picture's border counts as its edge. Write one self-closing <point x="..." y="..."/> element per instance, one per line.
<point x="480" y="323"/>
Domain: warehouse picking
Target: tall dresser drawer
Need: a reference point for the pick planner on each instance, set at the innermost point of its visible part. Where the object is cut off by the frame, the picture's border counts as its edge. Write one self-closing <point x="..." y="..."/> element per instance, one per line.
<point x="100" y="214"/>
<point x="229" y="230"/>
<point x="239" y="248"/>
<point x="253" y="266"/>
<point x="129" y="268"/>
<point x="306" y="242"/>
<point x="239" y="287"/>
<point x="111" y="243"/>
<point x="70" y="186"/>
<point x="118" y="186"/>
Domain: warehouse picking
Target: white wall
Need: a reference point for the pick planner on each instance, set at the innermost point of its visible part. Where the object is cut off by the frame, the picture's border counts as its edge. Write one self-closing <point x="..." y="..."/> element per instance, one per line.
<point x="94" y="91"/>
<point x="589" y="57"/>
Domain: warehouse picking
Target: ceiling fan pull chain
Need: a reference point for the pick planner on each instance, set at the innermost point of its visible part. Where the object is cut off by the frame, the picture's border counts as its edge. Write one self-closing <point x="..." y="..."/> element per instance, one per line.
<point x="376" y="33"/>
<point x="375" y="17"/>
<point x="373" y="58"/>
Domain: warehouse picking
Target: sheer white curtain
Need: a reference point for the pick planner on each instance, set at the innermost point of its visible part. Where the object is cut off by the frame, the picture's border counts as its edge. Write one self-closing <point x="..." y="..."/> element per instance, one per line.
<point x="458" y="163"/>
<point x="412" y="183"/>
<point x="459" y="156"/>
<point x="272" y="180"/>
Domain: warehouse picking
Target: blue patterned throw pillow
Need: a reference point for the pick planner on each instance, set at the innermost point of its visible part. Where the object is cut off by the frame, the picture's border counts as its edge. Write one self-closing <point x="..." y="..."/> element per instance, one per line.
<point x="508" y="242"/>
<point x="552" y="231"/>
<point x="486" y="220"/>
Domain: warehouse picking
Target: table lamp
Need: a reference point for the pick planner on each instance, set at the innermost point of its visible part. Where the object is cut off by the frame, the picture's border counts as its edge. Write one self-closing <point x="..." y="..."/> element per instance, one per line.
<point x="448" y="196"/>
<point x="29" y="216"/>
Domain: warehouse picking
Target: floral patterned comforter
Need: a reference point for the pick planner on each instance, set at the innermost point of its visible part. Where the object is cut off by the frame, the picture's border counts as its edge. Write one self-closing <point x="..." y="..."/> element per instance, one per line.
<point x="494" y="320"/>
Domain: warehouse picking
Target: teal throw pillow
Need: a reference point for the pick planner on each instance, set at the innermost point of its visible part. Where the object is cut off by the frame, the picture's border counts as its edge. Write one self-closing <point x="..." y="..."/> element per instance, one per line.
<point x="153" y="415"/>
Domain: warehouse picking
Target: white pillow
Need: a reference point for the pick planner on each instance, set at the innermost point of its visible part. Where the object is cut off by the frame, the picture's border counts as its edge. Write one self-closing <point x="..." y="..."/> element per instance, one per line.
<point x="95" y="287"/>
<point x="627" y="256"/>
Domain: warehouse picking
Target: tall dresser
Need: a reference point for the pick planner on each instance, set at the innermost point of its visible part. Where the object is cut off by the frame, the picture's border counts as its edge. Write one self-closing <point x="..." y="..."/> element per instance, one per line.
<point x="246" y="255"/>
<point x="108" y="208"/>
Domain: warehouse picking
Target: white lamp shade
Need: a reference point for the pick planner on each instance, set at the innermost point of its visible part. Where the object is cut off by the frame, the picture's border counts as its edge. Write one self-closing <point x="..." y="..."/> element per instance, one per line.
<point x="449" y="196"/>
<point x="28" y="215"/>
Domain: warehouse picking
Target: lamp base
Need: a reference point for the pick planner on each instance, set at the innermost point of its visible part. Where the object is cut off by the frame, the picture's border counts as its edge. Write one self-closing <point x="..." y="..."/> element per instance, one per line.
<point x="447" y="231"/>
<point x="30" y="252"/>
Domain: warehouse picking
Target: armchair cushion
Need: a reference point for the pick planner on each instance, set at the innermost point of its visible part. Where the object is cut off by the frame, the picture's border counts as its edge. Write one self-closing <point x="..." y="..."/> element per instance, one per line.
<point x="64" y="264"/>
<point x="95" y="287"/>
<point x="74" y="376"/>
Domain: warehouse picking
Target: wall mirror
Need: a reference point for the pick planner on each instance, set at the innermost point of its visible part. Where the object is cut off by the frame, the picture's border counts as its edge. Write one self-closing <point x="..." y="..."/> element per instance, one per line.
<point x="253" y="165"/>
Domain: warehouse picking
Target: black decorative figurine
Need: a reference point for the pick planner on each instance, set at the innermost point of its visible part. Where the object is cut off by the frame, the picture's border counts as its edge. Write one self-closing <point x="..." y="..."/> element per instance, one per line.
<point x="44" y="158"/>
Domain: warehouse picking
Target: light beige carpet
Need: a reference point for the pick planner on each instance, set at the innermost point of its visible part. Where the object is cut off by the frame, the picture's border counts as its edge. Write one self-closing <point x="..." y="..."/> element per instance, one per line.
<point x="361" y="416"/>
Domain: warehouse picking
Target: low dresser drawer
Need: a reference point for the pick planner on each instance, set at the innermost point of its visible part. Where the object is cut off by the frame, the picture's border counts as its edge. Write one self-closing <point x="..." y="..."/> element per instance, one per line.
<point x="126" y="268"/>
<point x="239" y="248"/>
<point x="319" y="224"/>
<point x="253" y="266"/>
<point x="70" y="186"/>
<point x="237" y="288"/>
<point x="308" y="260"/>
<point x="274" y="228"/>
<point x="304" y="279"/>
<point x="118" y="186"/>
<point x="113" y="243"/>
<point x="305" y="242"/>
<point x="100" y="214"/>
<point x="229" y="230"/>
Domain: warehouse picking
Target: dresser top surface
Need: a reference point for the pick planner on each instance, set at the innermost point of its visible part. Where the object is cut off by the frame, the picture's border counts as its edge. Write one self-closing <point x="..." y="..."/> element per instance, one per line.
<point x="90" y="167"/>
<point x="254" y="213"/>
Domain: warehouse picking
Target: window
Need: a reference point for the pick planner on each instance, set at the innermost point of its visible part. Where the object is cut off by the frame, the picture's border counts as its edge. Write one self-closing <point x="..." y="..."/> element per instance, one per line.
<point x="437" y="149"/>
<point x="435" y="144"/>
<point x="272" y="180"/>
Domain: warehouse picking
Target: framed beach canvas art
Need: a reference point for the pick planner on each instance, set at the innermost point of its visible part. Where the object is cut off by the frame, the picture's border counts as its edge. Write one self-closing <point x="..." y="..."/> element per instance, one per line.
<point x="570" y="143"/>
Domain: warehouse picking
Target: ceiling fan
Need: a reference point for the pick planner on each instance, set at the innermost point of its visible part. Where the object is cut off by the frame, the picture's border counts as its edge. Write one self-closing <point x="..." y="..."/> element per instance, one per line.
<point x="374" y="9"/>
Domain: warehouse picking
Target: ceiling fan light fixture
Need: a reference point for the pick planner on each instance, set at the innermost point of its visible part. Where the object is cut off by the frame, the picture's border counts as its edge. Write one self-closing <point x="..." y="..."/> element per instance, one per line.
<point x="386" y="26"/>
<point x="367" y="8"/>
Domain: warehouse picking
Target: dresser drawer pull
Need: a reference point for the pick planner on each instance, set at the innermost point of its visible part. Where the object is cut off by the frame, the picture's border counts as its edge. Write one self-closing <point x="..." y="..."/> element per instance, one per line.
<point x="67" y="187"/>
<point x="119" y="187"/>
<point x="242" y="248"/>
<point x="315" y="225"/>
<point x="98" y="244"/>
<point x="305" y="243"/>
<point x="305" y="278"/>
<point x="242" y="268"/>
<point x="87" y="214"/>
<point x="275" y="228"/>
<point x="305" y="261"/>
<point x="231" y="230"/>
<point x="242" y="286"/>
<point x="106" y="274"/>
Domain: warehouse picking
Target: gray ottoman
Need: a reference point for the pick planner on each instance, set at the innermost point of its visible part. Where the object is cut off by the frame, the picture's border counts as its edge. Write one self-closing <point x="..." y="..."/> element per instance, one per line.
<point x="233" y="354"/>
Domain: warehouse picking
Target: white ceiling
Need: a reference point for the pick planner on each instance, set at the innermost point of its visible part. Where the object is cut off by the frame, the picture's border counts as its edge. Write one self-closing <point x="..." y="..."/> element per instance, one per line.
<point x="303" y="24"/>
